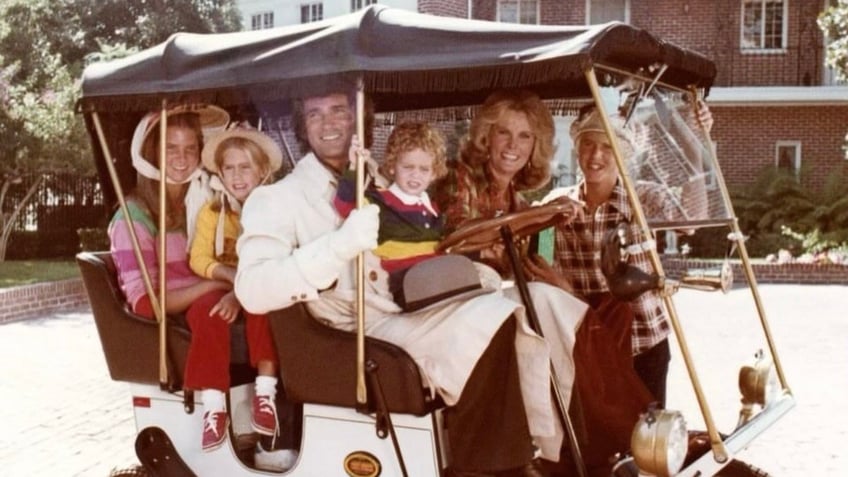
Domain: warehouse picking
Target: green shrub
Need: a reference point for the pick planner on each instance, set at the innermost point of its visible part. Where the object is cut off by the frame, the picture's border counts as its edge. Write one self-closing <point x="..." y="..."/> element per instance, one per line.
<point x="763" y="244"/>
<point x="778" y="201"/>
<point x="706" y="243"/>
<point x="23" y="245"/>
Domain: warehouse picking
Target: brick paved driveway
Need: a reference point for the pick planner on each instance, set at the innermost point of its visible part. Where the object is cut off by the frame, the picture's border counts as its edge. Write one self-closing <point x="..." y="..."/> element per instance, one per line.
<point x="61" y="414"/>
<point x="810" y="327"/>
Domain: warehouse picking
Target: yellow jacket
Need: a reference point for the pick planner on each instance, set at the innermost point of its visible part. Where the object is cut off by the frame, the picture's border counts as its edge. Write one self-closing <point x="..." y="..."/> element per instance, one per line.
<point x="203" y="258"/>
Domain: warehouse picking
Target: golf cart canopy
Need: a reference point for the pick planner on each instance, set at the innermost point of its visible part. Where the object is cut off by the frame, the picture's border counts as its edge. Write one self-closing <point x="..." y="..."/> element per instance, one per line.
<point x="406" y="60"/>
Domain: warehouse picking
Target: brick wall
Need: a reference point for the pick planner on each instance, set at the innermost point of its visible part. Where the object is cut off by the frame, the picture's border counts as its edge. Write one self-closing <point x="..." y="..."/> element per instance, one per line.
<point x="711" y="27"/>
<point x="484" y="9"/>
<point x="800" y="273"/>
<point x="445" y="8"/>
<point x="562" y="13"/>
<point x="30" y="300"/>
<point x="746" y="139"/>
<point x="746" y="134"/>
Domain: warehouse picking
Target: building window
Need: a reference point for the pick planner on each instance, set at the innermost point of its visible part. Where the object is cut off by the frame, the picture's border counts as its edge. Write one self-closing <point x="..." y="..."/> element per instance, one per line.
<point x="788" y="156"/>
<point x="262" y="20"/>
<point x="518" y="11"/>
<point x="602" y="11"/>
<point x="360" y="4"/>
<point x="311" y="12"/>
<point x="763" y="24"/>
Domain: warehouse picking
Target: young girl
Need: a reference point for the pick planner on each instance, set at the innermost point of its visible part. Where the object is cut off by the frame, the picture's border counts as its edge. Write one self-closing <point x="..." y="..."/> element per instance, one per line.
<point x="410" y="224"/>
<point x="185" y="180"/>
<point x="242" y="159"/>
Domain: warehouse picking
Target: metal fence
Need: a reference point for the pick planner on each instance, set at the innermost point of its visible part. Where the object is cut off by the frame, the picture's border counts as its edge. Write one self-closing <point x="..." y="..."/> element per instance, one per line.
<point x="47" y="226"/>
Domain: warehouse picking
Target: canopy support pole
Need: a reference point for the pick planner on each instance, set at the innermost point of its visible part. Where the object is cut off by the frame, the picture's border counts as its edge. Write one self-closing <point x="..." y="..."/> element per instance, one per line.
<point x="739" y="238"/>
<point x="361" y="389"/>
<point x="719" y="450"/>
<point x="122" y="202"/>
<point x="163" y="254"/>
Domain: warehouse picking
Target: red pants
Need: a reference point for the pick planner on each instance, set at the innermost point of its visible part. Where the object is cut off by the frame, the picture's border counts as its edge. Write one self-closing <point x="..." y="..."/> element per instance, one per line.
<point x="208" y="362"/>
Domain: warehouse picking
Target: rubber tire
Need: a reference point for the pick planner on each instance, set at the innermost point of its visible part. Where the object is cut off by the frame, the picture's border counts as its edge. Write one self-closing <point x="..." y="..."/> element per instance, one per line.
<point x="737" y="468"/>
<point x="134" y="471"/>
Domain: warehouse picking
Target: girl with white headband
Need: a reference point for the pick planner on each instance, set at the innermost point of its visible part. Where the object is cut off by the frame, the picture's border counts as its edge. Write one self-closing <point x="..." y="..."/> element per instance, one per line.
<point x="184" y="141"/>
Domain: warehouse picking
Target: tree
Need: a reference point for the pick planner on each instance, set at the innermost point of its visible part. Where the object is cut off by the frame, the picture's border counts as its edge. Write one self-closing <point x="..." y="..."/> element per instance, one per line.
<point x="40" y="135"/>
<point x="834" y="23"/>
<point x="44" y="46"/>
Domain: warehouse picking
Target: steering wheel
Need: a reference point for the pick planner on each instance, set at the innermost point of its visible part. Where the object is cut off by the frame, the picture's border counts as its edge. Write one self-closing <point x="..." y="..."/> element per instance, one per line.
<point x="483" y="233"/>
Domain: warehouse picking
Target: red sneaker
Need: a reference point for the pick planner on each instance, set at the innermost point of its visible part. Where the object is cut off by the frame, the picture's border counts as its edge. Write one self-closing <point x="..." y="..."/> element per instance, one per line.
<point x="214" y="429"/>
<point x="264" y="418"/>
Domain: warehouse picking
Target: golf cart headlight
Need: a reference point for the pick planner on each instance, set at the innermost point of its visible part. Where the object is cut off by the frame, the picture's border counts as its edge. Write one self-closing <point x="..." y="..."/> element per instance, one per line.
<point x="659" y="442"/>
<point x="758" y="383"/>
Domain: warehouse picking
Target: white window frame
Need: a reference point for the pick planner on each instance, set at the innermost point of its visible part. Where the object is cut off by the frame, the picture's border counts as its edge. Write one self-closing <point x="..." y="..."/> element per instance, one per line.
<point x="356" y="5"/>
<point x="520" y="3"/>
<point x="268" y="20"/>
<point x="761" y="48"/>
<point x="796" y="160"/>
<point x="589" y="11"/>
<point x="315" y="11"/>
<point x="262" y="20"/>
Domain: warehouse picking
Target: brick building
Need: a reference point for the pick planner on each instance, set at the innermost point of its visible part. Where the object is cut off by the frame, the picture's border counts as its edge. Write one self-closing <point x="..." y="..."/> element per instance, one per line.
<point x="774" y="101"/>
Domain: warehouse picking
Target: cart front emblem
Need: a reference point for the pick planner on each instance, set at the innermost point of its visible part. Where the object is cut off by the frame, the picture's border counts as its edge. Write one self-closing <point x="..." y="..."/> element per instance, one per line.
<point x="362" y="464"/>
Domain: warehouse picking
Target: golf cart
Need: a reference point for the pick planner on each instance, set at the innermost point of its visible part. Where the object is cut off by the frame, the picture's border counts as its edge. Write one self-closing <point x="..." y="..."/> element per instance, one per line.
<point x="359" y="405"/>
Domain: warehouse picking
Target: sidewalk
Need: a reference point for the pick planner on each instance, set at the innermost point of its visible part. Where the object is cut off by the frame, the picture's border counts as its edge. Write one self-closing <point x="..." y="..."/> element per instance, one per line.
<point x="810" y="328"/>
<point x="61" y="413"/>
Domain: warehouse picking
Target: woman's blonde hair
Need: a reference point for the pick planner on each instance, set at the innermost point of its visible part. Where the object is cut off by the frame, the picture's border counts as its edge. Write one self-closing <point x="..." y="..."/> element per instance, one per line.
<point x="147" y="190"/>
<point x="410" y="136"/>
<point x="475" y="146"/>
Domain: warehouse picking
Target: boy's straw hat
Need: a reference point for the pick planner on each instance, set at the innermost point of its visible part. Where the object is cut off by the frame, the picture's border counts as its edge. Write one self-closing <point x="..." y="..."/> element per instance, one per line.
<point x="590" y="121"/>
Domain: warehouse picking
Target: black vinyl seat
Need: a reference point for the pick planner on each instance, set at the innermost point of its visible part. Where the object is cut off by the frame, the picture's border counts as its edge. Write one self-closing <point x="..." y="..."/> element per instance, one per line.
<point x="131" y="342"/>
<point x="318" y="365"/>
<point x="317" y="362"/>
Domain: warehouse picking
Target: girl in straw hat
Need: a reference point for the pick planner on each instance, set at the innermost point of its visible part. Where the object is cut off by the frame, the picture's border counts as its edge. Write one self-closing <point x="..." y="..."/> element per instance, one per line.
<point x="241" y="160"/>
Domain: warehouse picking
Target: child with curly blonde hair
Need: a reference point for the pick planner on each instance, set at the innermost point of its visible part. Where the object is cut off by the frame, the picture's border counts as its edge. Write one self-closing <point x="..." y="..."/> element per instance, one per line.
<point x="410" y="224"/>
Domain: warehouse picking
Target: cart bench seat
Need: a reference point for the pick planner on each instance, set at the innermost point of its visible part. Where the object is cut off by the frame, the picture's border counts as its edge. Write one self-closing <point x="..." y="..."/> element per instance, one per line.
<point x="318" y="365"/>
<point x="131" y="342"/>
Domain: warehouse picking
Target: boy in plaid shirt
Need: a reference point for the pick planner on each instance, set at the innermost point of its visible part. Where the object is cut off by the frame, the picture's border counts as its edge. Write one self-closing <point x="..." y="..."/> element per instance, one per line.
<point x="578" y="242"/>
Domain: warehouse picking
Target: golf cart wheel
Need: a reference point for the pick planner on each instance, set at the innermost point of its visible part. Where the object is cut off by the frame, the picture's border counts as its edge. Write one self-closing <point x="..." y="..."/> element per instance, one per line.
<point x="737" y="468"/>
<point x="134" y="471"/>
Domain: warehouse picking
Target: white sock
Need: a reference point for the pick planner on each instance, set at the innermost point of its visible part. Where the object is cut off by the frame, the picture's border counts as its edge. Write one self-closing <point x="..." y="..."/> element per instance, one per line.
<point x="213" y="400"/>
<point x="266" y="386"/>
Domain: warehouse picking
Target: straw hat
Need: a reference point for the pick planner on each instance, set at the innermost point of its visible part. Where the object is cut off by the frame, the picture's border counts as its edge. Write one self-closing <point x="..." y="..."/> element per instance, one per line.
<point x="591" y="122"/>
<point x="212" y="119"/>
<point x="275" y="156"/>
